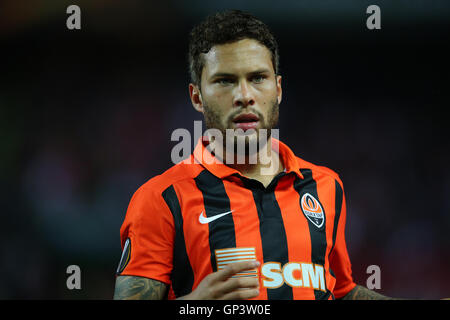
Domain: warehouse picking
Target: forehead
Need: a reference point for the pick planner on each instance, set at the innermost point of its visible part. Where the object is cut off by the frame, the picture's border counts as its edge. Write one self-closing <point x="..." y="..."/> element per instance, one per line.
<point x="242" y="56"/>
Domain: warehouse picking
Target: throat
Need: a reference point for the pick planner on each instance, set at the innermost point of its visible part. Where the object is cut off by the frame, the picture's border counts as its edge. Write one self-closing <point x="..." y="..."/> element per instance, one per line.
<point x="264" y="173"/>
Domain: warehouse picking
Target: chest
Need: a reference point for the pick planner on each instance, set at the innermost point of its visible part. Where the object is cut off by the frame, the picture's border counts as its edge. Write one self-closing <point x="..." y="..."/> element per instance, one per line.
<point x="292" y="220"/>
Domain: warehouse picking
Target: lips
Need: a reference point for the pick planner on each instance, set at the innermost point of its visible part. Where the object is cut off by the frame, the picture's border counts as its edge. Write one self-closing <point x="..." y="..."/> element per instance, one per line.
<point x="246" y="121"/>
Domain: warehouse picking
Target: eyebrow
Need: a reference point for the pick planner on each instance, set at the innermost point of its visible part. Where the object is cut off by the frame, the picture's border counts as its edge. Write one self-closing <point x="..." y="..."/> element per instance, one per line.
<point x="230" y="75"/>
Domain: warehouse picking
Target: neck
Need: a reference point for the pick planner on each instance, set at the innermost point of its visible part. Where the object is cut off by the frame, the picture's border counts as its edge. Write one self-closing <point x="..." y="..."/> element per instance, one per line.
<point x="262" y="166"/>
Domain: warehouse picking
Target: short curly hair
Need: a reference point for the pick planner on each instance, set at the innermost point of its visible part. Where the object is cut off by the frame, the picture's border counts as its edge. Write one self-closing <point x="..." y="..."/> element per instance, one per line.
<point x="227" y="27"/>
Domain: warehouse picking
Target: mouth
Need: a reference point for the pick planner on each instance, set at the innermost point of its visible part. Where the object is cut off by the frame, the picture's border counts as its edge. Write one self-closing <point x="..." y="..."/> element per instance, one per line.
<point x="246" y="121"/>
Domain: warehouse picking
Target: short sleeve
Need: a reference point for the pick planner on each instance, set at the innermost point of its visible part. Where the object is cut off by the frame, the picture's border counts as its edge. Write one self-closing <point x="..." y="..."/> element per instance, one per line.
<point x="147" y="236"/>
<point x="339" y="259"/>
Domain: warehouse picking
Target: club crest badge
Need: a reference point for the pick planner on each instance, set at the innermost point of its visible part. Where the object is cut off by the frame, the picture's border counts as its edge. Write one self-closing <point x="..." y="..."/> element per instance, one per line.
<point x="312" y="209"/>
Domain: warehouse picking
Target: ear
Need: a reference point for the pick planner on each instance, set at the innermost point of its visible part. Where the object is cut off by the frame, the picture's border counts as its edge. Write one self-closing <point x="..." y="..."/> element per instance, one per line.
<point x="279" y="90"/>
<point x="196" y="97"/>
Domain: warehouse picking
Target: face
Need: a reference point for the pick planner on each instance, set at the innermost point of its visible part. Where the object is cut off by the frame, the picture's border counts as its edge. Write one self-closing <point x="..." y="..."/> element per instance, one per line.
<point x="239" y="89"/>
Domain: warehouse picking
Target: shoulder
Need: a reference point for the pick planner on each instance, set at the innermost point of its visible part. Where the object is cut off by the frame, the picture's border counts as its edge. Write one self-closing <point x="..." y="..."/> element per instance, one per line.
<point x="175" y="174"/>
<point x="148" y="205"/>
<point x="319" y="170"/>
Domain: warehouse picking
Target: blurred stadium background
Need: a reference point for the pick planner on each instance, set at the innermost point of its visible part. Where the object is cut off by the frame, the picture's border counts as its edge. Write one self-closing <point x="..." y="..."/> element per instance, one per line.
<point x="86" y="118"/>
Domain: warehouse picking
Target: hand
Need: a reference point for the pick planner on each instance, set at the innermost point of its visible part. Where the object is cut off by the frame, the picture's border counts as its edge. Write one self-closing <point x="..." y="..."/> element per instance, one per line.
<point x="220" y="286"/>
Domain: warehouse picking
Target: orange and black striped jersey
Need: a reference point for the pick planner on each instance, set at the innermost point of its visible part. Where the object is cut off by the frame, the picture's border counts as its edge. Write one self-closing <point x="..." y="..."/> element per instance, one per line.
<point x="197" y="217"/>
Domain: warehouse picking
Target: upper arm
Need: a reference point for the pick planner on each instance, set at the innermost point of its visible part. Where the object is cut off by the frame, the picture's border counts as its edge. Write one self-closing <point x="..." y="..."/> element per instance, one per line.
<point x="147" y="238"/>
<point x="139" y="288"/>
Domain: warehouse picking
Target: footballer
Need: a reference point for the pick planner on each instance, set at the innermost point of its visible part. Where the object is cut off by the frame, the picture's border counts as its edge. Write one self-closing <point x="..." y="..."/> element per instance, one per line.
<point x="227" y="229"/>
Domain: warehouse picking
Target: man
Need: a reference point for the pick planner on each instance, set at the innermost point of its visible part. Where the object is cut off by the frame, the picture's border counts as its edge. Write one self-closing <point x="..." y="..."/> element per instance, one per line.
<point x="228" y="229"/>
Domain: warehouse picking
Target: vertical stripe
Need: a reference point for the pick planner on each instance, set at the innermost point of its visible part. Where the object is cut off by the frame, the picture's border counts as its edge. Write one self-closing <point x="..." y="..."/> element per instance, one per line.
<point x="337" y="214"/>
<point x="216" y="201"/>
<point x="273" y="234"/>
<point x="317" y="235"/>
<point x="182" y="275"/>
<point x="246" y="223"/>
<point x="297" y="230"/>
<point x="338" y="207"/>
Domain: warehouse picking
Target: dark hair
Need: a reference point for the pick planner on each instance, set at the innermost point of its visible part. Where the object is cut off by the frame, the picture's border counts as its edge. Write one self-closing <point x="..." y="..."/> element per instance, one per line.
<point x="227" y="27"/>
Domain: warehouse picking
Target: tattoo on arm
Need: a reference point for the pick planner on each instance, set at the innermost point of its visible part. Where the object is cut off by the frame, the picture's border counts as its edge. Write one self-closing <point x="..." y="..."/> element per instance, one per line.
<point x="361" y="293"/>
<point x="139" y="288"/>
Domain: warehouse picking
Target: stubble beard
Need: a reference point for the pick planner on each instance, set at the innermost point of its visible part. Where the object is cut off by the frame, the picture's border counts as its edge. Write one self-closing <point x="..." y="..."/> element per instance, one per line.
<point x="237" y="143"/>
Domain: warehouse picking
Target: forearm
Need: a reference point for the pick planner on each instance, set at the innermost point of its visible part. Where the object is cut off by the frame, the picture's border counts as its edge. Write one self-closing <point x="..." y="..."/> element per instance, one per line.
<point x="139" y="288"/>
<point x="362" y="293"/>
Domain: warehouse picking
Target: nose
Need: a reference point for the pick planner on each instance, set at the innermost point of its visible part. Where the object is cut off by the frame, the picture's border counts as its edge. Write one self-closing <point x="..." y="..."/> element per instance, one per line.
<point x="243" y="96"/>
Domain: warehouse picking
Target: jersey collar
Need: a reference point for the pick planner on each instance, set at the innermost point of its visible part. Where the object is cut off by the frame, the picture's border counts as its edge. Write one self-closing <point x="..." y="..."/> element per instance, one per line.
<point x="205" y="158"/>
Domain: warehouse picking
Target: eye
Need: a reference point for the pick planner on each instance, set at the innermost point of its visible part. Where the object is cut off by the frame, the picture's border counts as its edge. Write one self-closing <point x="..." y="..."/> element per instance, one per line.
<point x="258" y="78"/>
<point x="224" y="81"/>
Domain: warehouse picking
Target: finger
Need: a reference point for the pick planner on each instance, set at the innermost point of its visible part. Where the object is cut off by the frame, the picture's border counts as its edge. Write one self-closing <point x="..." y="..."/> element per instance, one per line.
<point x="234" y="268"/>
<point x="239" y="283"/>
<point x="241" y="294"/>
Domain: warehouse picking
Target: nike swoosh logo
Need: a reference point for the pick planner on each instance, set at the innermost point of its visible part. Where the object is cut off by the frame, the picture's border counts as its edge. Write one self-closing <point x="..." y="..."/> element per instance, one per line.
<point x="204" y="220"/>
